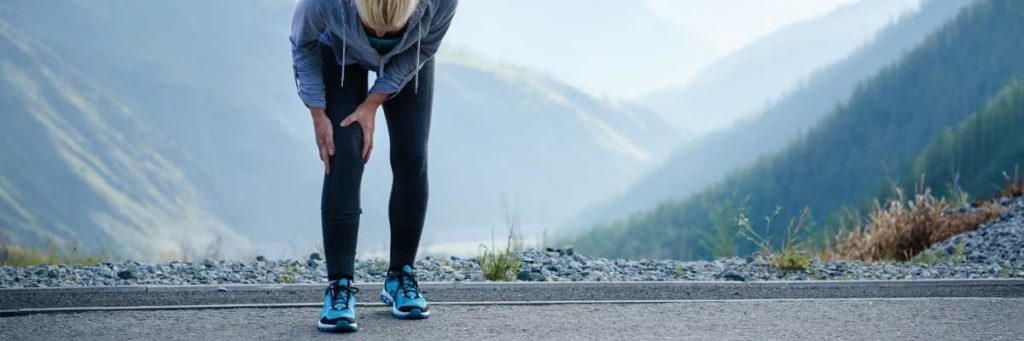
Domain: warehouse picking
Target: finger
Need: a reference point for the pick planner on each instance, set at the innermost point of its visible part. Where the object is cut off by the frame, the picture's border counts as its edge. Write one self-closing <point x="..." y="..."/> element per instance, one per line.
<point x="347" y="121"/>
<point x="326" y="159"/>
<point x="367" y="143"/>
<point x="329" y="141"/>
<point x="366" y="158"/>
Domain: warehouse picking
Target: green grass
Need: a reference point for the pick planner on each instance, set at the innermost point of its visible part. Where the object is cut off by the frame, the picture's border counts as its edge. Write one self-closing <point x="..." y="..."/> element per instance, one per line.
<point x="500" y="265"/>
<point x="289" y="274"/>
<point x="791" y="256"/>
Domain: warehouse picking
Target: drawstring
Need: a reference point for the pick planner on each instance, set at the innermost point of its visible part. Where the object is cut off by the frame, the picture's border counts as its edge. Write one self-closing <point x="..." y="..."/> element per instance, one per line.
<point x="419" y="39"/>
<point x="344" y="54"/>
<point x="380" y="60"/>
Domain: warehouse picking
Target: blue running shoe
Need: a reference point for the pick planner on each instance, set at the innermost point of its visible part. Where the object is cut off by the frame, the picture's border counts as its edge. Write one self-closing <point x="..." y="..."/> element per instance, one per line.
<point x="339" y="311"/>
<point x="402" y="293"/>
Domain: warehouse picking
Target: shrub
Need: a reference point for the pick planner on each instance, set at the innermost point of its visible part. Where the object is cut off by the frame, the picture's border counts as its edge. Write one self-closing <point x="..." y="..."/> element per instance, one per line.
<point x="901" y="228"/>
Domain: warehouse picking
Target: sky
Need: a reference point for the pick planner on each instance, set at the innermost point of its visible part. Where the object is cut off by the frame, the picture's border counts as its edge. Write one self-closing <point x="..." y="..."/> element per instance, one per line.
<point x="728" y="25"/>
<point x="620" y="52"/>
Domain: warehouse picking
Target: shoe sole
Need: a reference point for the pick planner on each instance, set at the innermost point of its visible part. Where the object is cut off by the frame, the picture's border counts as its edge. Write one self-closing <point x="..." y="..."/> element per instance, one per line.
<point x="414" y="314"/>
<point x="341" y="327"/>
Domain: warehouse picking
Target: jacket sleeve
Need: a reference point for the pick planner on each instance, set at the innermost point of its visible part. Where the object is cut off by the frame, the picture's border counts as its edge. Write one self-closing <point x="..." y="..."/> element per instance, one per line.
<point x="403" y="67"/>
<point x="307" y="24"/>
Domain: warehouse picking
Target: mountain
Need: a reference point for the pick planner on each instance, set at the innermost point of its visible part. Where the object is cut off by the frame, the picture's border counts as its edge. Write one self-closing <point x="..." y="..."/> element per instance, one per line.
<point x="80" y="170"/>
<point x="845" y="159"/>
<point x="220" y="94"/>
<point x="979" y="153"/>
<point x="705" y="161"/>
<point x="747" y="80"/>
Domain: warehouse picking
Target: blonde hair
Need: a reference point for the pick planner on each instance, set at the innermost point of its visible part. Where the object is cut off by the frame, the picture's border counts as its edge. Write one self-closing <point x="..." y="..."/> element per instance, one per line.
<point x="386" y="15"/>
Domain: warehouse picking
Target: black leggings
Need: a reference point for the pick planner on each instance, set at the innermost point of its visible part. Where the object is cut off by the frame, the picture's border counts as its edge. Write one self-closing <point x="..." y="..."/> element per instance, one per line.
<point x="408" y="122"/>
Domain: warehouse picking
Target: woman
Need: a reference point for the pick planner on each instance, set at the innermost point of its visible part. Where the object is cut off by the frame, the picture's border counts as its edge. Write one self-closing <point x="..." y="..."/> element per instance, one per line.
<point x="334" y="44"/>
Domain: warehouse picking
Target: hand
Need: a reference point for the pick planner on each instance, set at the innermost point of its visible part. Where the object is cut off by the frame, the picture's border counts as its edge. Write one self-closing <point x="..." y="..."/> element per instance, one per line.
<point x="365" y="115"/>
<point x="324" y="136"/>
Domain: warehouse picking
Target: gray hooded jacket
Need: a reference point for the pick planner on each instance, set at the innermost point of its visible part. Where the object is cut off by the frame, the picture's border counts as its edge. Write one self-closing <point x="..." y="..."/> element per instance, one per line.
<point x="335" y="23"/>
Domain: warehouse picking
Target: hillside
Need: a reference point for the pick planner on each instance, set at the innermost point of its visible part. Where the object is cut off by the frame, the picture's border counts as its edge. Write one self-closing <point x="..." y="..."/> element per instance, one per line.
<point x="740" y="84"/>
<point x="703" y="162"/>
<point x="977" y="152"/>
<point x="80" y="170"/>
<point x="226" y="101"/>
<point x="888" y="121"/>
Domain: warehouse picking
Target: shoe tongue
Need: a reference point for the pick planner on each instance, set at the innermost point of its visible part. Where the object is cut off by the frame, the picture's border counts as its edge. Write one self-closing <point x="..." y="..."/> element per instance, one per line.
<point x="407" y="269"/>
<point x="344" y="282"/>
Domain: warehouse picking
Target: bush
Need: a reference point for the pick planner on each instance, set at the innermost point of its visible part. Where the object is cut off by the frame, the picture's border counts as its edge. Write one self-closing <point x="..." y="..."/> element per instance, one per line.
<point x="901" y="228"/>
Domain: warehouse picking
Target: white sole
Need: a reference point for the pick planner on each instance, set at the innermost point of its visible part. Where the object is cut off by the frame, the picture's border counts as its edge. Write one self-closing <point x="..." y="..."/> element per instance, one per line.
<point x="332" y="328"/>
<point x="398" y="313"/>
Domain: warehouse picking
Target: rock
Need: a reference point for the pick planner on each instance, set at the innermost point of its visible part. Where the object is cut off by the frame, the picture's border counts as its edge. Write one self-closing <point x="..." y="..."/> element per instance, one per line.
<point x="568" y="250"/>
<point x="733" y="276"/>
<point x="222" y="289"/>
<point x="126" y="274"/>
<point x="315" y="256"/>
<point x="260" y="258"/>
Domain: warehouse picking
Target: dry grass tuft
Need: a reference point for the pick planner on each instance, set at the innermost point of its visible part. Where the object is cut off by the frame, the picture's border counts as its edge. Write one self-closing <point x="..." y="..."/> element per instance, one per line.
<point x="900" y="229"/>
<point x="1014" y="186"/>
<point x="17" y="255"/>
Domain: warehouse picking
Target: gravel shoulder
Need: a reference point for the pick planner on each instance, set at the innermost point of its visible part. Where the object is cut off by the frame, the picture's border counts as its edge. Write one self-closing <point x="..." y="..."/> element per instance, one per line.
<point x="995" y="250"/>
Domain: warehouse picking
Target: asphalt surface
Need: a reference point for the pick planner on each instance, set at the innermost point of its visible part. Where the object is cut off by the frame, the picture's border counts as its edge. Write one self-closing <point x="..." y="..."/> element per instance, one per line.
<point x="11" y="300"/>
<point x="932" y="309"/>
<point x="811" y="319"/>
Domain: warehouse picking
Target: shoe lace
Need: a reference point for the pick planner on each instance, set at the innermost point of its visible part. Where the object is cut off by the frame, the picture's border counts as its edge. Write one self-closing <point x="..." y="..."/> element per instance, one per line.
<point x="341" y="294"/>
<point x="408" y="285"/>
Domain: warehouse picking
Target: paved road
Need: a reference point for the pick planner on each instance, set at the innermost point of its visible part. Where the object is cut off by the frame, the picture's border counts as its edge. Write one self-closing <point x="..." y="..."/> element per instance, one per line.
<point x="13" y="299"/>
<point x="814" y="319"/>
<point x="971" y="309"/>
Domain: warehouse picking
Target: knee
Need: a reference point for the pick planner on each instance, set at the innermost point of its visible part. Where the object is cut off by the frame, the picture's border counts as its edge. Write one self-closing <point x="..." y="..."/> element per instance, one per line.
<point x="340" y="214"/>
<point x="409" y="168"/>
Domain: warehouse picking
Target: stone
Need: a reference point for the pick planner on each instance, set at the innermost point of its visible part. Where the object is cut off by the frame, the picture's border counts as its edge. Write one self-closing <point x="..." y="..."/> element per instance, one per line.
<point x="733" y="276"/>
<point x="126" y="274"/>
<point x="315" y="256"/>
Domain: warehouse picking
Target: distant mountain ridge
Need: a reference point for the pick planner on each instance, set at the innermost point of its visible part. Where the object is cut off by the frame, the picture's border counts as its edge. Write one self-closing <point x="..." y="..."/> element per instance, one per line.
<point x="748" y="80"/>
<point x="80" y="170"/>
<point x="235" y="145"/>
<point x="702" y="162"/>
<point x="844" y="160"/>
